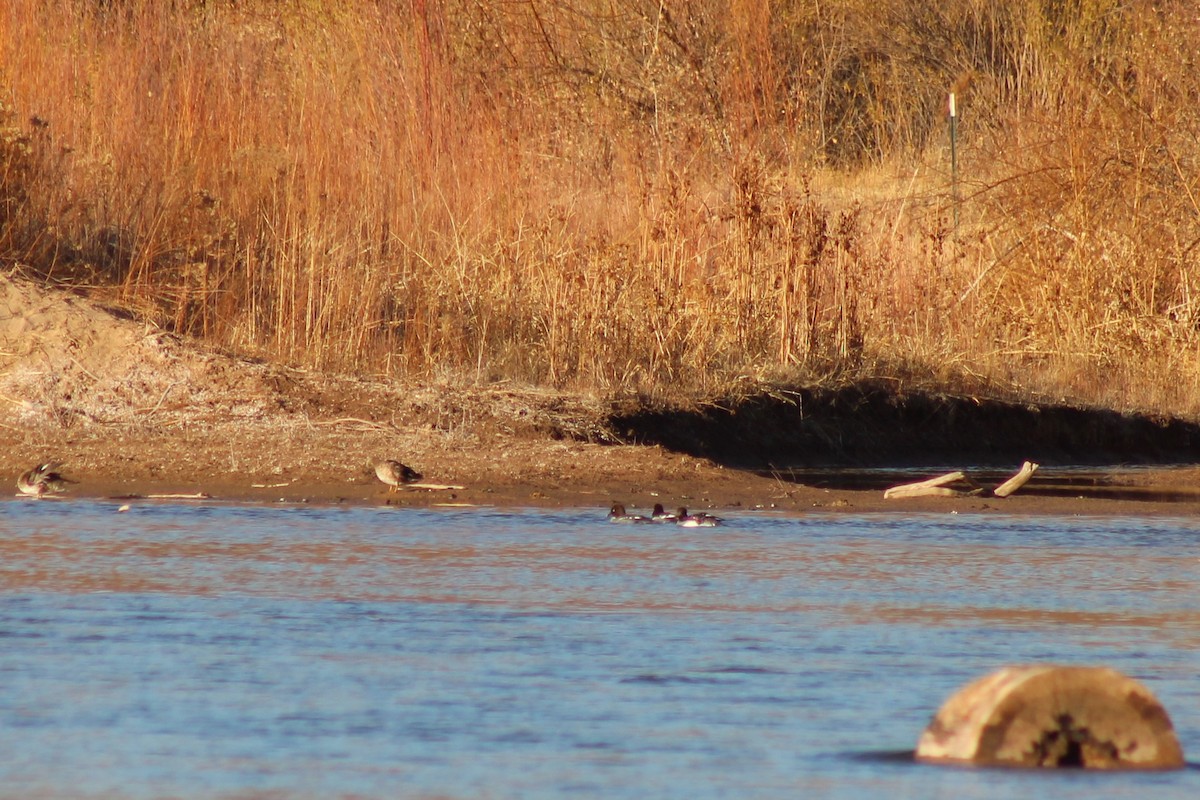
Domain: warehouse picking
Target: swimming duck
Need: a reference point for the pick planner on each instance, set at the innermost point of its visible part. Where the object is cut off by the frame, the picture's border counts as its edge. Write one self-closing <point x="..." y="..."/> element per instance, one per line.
<point x="698" y="520"/>
<point x="661" y="515"/>
<point x="617" y="514"/>
<point x="393" y="473"/>
<point x="42" y="479"/>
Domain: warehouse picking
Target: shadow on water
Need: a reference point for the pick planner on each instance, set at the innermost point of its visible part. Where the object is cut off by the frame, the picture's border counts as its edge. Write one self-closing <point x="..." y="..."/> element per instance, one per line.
<point x="910" y="757"/>
<point x="1048" y="482"/>
<point x="883" y="756"/>
<point x="872" y="425"/>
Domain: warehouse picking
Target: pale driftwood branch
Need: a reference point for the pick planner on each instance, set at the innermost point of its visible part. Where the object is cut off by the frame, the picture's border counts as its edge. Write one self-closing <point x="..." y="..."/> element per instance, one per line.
<point x="195" y="496"/>
<point x="933" y="486"/>
<point x="1016" y="481"/>
<point x="937" y="487"/>
<point x="433" y="487"/>
<point x="927" y="491"/>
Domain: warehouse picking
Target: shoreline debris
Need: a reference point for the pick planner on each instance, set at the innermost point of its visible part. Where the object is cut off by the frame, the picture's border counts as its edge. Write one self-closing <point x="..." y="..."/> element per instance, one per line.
<point x="939" y="486"/>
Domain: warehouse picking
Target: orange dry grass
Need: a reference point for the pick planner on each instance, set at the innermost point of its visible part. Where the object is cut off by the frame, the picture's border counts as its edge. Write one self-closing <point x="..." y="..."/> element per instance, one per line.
<point x="626" y="195"/>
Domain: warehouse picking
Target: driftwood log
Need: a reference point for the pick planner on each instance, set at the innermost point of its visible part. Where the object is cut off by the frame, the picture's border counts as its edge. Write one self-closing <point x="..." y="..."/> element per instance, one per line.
<point x="939" y="486"/>
<point x="933" y="486"/>
<point x="1016" y="481"/>
<point x="1053" y="716"/>
<point x="167" y="496"/>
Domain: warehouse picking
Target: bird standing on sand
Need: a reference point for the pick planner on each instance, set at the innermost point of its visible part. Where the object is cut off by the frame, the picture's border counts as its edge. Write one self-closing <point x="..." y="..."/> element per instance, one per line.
<point x="393" y="473"/>
<point x="42" y="479"/>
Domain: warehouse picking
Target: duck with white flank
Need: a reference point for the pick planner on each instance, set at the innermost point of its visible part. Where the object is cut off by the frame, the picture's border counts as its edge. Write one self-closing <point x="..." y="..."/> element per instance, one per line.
<point x="697" y="520"/>
<point x="42" y="479"/>
<point x="617" y="514"/>
<point x="661" y="515"/>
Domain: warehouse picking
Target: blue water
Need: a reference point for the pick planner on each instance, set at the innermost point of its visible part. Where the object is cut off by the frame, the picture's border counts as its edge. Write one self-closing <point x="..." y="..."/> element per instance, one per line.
<point x="230" y="652"/>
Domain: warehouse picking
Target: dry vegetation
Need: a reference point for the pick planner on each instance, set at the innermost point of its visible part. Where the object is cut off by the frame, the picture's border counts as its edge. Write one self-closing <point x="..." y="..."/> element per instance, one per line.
<point x="675" y="199"/>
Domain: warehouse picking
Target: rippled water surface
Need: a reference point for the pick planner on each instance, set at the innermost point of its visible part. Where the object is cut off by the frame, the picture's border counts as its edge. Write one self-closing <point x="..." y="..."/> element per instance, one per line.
<point x="226" y="652"/>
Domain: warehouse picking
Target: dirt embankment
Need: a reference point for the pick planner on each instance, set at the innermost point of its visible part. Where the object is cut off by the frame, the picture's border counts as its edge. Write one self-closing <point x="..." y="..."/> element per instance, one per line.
<point x="131" y="409"/>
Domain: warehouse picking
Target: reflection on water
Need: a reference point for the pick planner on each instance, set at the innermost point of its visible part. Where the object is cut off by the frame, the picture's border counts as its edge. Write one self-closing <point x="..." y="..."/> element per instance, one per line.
<point x="223" y="651"/>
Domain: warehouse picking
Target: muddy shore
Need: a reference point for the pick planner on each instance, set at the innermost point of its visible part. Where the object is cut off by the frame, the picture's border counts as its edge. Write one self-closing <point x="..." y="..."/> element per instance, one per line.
<point x="132" y="410"/>
<point x="285" y="461"/>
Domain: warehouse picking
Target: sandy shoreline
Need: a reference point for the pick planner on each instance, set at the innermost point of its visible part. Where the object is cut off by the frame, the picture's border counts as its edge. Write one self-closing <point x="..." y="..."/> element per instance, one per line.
<point x="268" y="463"/>
<point x="132" y="410"/>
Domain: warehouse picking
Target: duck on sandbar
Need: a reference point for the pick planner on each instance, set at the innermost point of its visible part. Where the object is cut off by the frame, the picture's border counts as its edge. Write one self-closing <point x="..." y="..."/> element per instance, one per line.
<point x="617" y="514"/>
<point x="393" y="473"/>
<point x="42" y="479"/>
<point x="697" y="520"/>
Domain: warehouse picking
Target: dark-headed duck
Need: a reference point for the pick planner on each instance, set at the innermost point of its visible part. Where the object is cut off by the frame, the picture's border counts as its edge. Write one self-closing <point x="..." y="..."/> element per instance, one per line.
<point x="697" y="520"/>
<point x="617" y="514"/>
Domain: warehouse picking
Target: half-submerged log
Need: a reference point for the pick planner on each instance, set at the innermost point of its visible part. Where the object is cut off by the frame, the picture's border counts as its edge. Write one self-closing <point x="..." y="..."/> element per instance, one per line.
<point x="1053" y="716"/>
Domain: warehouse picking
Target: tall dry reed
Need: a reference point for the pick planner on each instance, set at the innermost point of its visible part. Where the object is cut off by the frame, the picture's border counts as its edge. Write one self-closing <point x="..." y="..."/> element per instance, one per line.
<point x="666" y="198"/>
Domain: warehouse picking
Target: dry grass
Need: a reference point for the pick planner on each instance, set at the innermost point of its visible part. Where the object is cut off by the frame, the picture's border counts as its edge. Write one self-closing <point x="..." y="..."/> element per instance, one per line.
<point x="625" y="196"/>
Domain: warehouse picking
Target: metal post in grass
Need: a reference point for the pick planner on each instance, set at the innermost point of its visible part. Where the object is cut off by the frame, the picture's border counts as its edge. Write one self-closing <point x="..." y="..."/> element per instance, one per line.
<point x="954" y="159"/>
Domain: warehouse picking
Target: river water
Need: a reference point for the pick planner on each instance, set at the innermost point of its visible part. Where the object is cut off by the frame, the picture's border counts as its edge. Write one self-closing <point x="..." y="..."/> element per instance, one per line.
<point x="223" y="651"/>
